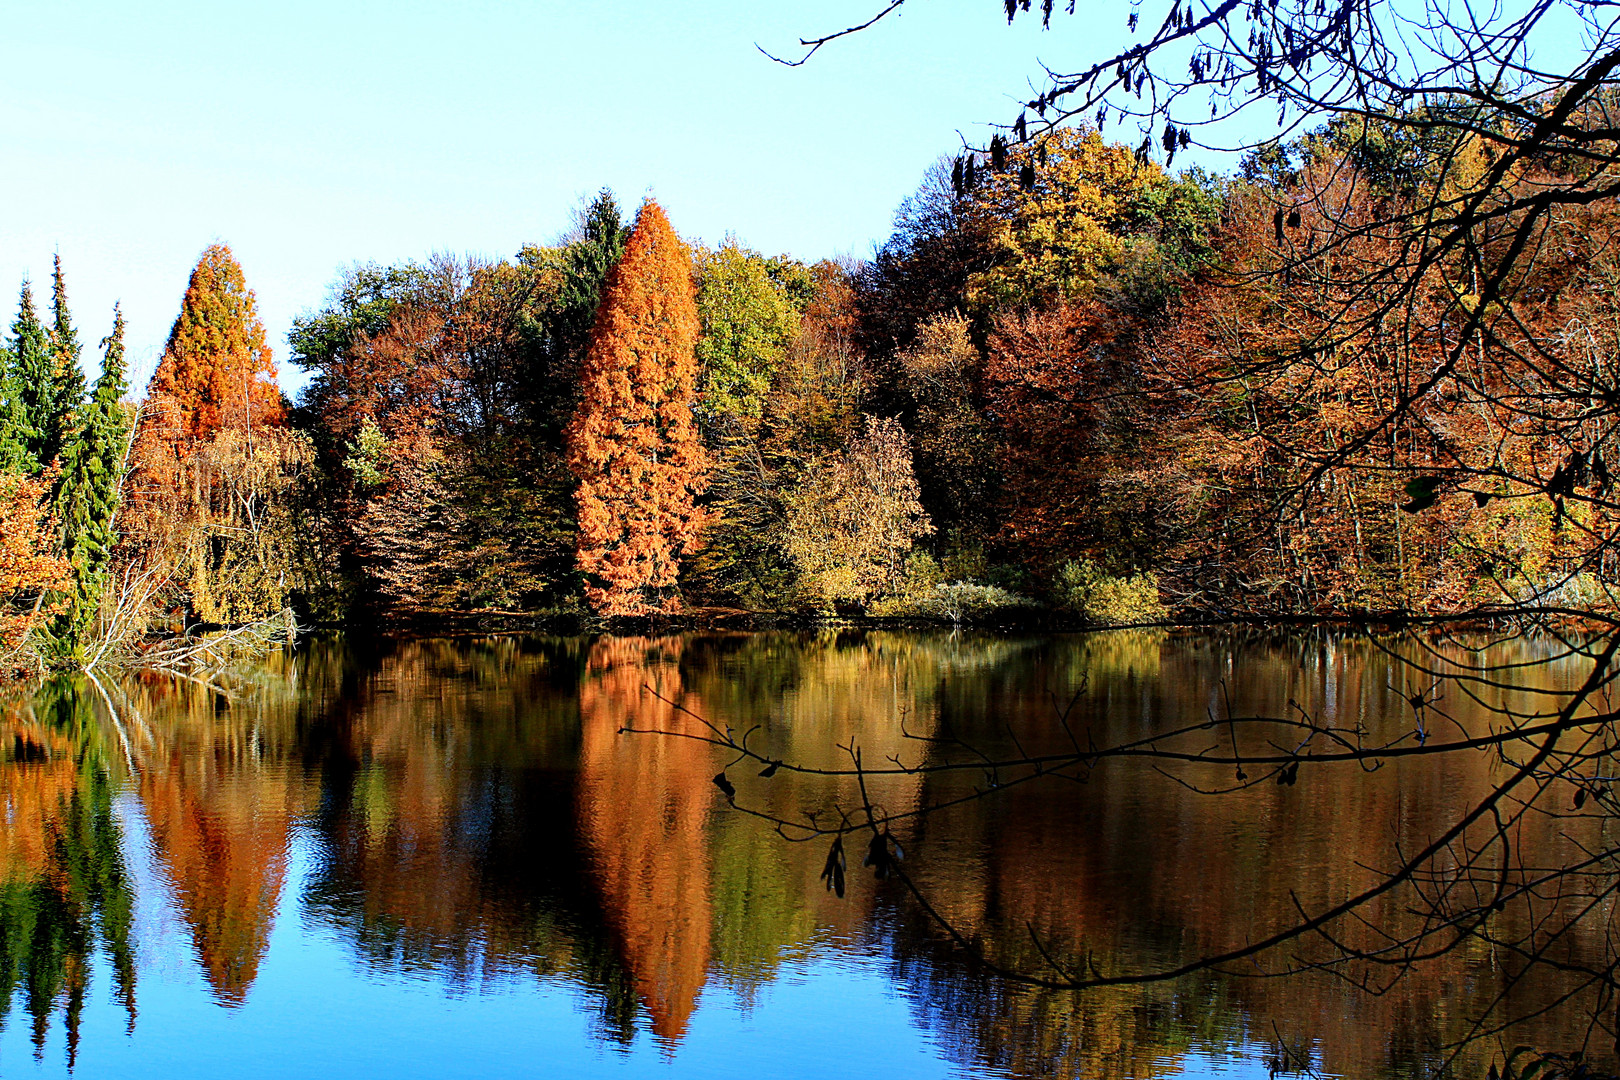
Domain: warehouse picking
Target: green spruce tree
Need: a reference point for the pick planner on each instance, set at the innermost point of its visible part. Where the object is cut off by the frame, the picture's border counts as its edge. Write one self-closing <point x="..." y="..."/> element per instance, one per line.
<point x="88" y="495"/>
<point x="66" y="373"/>
<point x="591" y="259"/>
<point x="33" y="379"/>
<point x="14" y="454"/>
<point x="562" y="337"/>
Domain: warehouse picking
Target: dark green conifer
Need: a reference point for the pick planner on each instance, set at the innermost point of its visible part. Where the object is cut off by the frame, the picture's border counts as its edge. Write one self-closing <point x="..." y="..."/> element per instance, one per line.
<point x="65" y="349"/>
<point x="14" y="454"/>
<point x="33" y="377"/>
<point x="591" y="259"/>
<point x="566" y="333"/>
<point x="88" y="495"/>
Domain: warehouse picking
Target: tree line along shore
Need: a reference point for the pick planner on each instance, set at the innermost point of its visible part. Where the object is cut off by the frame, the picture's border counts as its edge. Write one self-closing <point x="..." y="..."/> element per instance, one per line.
<point x="1070" y="382"/>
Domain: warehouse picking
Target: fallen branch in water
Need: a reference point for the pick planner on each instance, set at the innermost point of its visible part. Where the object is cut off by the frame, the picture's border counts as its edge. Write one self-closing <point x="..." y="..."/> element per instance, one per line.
<point x="215" y="650"/>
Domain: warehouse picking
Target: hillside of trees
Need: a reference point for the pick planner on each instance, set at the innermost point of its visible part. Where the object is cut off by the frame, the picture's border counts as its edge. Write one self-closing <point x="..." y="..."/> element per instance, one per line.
<point x="1070" y="382"/>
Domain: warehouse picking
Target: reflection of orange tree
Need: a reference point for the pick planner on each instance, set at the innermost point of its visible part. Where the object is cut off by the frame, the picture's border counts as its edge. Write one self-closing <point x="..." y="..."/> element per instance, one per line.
<point x="63" y="890"/>
<point x="1104" y="889"/>
<point x="425" y="871"/>
<point x="227" y="858"/>
<point x="220" y="805"/>
<point x="508" y="892"/>
<point x="443" y="851"/>
<point x="642" y="805"/>
<point x="808" y="694"/>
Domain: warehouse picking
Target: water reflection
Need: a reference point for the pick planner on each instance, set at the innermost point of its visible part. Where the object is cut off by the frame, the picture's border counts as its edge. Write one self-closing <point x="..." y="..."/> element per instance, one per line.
<point x="642" y="807"/>
<point x="63" y="889"/>
<point x="481" y="820"/>
<point x="219" y="800"/>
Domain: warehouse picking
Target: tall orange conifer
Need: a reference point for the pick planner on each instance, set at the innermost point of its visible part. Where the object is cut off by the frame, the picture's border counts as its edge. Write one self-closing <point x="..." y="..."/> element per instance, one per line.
<point x="632" y="443"/>
<point x="216" y="370"/>
<point x="212" y="460"/>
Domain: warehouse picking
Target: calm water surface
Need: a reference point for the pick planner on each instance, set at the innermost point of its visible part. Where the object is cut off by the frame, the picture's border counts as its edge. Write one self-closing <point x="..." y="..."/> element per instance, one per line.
<point x="441" y="858"/>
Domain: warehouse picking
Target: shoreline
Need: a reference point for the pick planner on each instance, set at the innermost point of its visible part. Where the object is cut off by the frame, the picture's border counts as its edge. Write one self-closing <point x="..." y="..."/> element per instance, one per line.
<point x="447" y="623"/>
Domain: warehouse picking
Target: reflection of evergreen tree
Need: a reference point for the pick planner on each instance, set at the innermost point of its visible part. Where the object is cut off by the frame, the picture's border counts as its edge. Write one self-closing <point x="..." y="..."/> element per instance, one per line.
<point x="74" y="896"/>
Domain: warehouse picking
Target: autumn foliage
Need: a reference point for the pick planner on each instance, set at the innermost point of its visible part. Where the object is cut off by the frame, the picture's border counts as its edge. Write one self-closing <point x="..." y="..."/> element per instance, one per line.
<point x="633" y="443"/>
<point x="215" y="373"/>
<point x="30" y="570"/>
<point x="216" y="369"/>
<point x="212" y="463"/>
<point x="1069" y="373"/>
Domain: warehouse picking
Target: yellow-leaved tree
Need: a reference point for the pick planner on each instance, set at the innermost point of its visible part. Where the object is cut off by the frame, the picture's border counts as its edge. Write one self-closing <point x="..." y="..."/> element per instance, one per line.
<point x="852" y="520"/>
<point x="1074" y="213"/>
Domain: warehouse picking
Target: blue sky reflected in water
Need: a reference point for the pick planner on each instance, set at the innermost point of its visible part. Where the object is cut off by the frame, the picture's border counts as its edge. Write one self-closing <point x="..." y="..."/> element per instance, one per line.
<point x="314" y="1011"/>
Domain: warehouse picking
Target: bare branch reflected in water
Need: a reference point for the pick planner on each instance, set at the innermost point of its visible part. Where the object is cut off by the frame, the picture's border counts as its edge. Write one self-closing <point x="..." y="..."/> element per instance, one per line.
<point x="1481" y="885"/>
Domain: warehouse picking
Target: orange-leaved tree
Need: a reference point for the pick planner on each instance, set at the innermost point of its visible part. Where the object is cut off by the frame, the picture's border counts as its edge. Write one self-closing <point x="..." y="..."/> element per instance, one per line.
<point x="31" y="568"/>
<point x="633" y="444"/>
<point x="216" y="370"/>
<point x="213" y="461"/>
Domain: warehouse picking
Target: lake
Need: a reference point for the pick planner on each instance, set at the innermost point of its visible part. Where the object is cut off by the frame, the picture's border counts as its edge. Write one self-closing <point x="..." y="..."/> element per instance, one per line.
<point x="448" y="858"/>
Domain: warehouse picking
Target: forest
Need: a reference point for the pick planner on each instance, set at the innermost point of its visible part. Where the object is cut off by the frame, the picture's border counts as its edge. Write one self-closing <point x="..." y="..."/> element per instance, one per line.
<point x="1072" y="386"/>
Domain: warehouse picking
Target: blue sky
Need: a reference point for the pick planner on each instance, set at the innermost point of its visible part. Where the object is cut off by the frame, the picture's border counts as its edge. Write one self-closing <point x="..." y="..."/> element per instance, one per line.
<point x="309" y="135"/>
